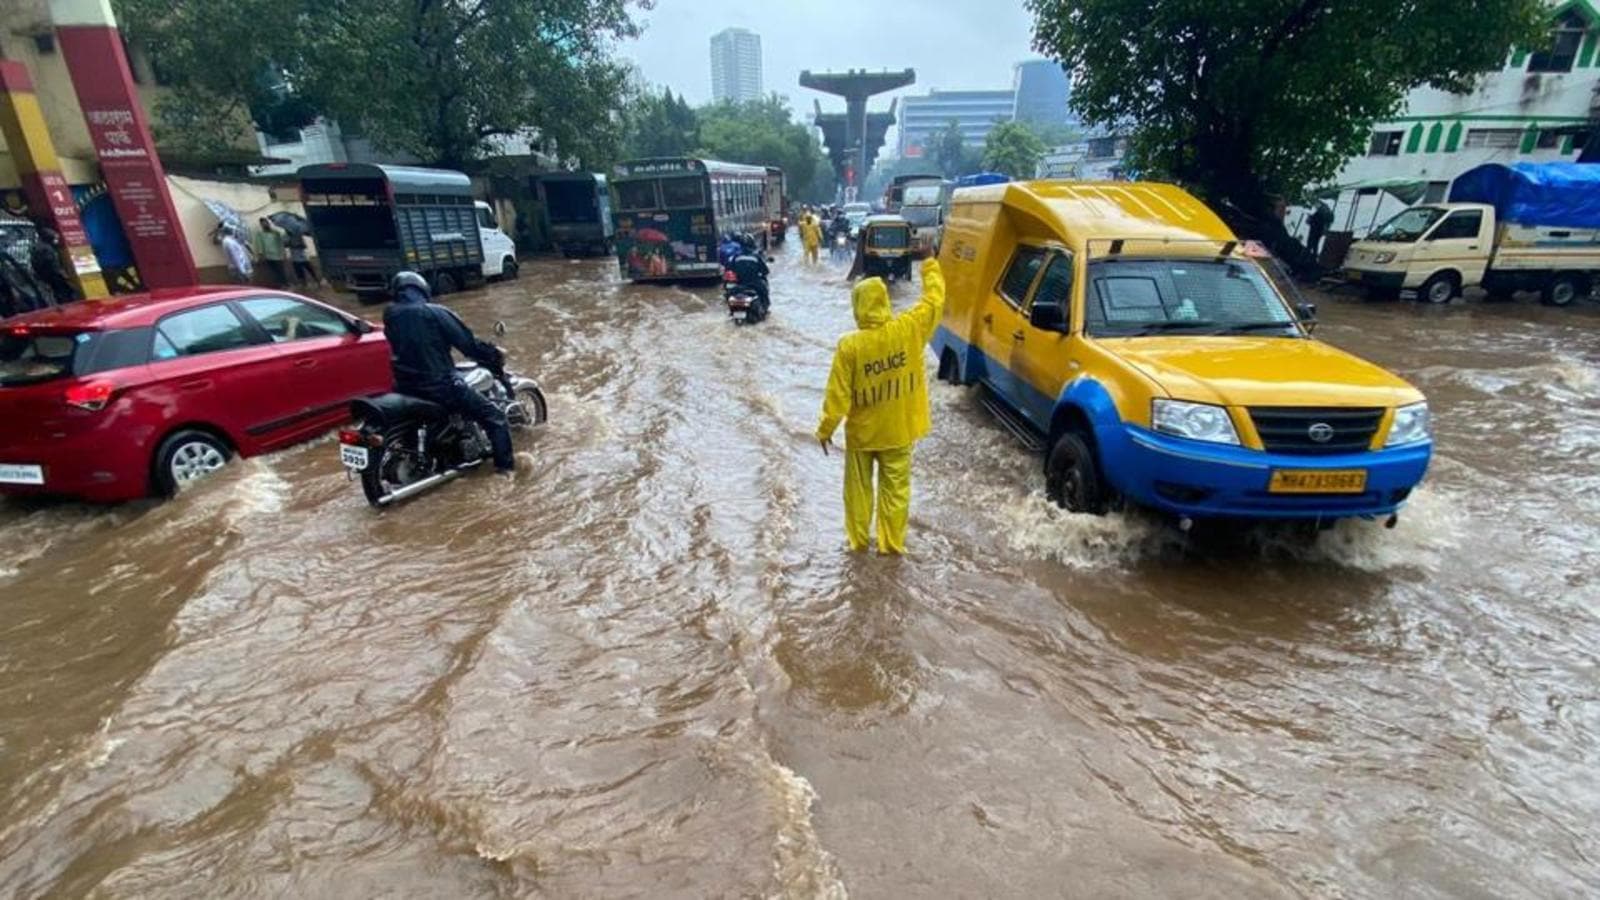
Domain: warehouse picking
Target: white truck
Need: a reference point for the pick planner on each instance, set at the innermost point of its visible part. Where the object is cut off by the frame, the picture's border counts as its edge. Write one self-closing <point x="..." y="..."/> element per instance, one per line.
<point x="1524" y="227"/>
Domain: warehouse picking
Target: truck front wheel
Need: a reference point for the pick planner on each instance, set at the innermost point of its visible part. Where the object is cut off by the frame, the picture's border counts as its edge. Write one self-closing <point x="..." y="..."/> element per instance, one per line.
<point x="1072" y="476"/>
<point x="1441" y="288"/>
<point x="1564" y="289"/>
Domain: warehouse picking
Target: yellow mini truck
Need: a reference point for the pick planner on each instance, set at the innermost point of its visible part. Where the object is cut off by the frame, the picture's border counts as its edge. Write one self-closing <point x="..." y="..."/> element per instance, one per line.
<point x="1122" y="330"/>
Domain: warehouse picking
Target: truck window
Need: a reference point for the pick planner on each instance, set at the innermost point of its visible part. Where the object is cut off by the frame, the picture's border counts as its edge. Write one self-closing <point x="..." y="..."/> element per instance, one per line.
<point x="1459" y="224"/>
<point x="636" y="196"/>
<point x="486" y="219"/>
<point x="1019" y="275"/>
<point x="1055" y="288"/>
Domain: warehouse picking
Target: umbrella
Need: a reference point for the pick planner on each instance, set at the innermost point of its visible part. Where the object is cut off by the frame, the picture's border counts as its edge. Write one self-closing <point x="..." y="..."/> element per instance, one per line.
<point x="649" y="234"/>
<point x="291" y="223"/>
<point x="228" y="217"/>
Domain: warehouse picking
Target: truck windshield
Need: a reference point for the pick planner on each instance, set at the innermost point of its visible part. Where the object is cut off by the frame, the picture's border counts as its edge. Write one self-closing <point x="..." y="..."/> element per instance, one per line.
<point x="1131" y="297"/>
<point x="920" y="216"/>
<point x="1408" y="226"/>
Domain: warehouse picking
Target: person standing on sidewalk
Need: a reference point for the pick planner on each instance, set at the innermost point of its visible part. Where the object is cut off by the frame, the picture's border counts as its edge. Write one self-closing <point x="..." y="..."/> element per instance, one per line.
<point x="878" y="387"/>
<point x="239" y="266"/>
<point x="304" y="274"/>
<point x="269" y="249"/>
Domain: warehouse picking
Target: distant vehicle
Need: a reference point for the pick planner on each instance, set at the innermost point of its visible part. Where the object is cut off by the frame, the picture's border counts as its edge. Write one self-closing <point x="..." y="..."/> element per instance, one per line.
<point x="886" y="248"/>
<point x="856" y="214"/>
<point x="1150" y="357"/>
<point x="1524" y="227"/>
<point x="894" y="194"/>
<point x="775" y="198"/>
<point x="371" y="222"/>
<point x="979" y="179"/>
<point x="925" y="205"/>
<point x="116" y="400"/>
<point x="670" y="212"/>
<point x="578" y="205"/>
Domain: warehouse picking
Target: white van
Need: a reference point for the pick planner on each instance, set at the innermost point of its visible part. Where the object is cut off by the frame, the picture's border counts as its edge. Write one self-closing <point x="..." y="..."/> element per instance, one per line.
<point x="499" y="251"/>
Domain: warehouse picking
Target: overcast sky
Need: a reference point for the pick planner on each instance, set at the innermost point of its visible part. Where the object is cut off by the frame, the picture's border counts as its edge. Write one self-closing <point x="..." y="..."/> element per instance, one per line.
<point x="952" y="44"/>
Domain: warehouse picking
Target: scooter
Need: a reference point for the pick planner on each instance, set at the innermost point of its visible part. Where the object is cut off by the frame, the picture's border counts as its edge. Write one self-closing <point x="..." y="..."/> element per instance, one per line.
<point x="745" y="306"/>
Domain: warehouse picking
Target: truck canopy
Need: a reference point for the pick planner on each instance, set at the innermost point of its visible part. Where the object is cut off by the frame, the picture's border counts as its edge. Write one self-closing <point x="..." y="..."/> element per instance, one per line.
<point x="1565" y="195"/>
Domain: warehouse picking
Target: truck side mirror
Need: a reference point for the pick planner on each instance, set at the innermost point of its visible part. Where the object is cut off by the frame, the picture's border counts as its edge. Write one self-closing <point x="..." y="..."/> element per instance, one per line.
<point x="1308" y="314"/>
<point x="1048" y="317"/>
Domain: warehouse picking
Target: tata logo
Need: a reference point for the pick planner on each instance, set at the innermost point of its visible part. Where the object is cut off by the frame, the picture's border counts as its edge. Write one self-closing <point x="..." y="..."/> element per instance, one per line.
<point x="1321" y="432"/>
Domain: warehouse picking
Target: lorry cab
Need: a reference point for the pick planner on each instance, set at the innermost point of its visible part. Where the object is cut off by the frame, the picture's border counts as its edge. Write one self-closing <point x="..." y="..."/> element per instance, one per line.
<point x="1123" y="331"/>
<point x="499" y="251"/>
<point x="1434" y="249"/>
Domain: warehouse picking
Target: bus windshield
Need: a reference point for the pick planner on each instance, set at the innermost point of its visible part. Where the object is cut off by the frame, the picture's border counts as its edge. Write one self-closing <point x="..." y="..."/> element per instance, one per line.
<point x="1132" y="297"/>
<point x="636" y="196"/>
<point x="683" y="193"/>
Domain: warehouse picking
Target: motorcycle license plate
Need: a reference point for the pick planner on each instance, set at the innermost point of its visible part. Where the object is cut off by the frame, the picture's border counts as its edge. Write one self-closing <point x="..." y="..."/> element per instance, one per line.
<point x="1330" y="481"/>
<point x="739" y="315"/>
<point x="353" y="457"/>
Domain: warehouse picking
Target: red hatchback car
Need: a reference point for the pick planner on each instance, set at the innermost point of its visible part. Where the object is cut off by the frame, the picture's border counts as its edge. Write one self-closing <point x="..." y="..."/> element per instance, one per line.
<point x="116" y="400"/>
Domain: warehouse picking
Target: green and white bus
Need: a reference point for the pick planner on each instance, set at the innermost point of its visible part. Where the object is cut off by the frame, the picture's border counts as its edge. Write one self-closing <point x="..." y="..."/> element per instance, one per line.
<point x="671" y="212"/>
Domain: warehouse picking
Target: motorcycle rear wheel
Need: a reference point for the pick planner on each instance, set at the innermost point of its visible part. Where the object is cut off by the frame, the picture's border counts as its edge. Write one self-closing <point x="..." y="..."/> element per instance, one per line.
<point x="396" y="464"/>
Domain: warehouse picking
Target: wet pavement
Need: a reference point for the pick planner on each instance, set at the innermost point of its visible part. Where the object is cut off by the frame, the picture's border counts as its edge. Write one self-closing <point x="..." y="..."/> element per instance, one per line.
<point x="648" y="667"/>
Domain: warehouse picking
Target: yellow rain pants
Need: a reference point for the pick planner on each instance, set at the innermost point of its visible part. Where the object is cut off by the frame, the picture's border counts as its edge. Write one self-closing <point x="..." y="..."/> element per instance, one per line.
<point x="893" y="497"/>
<point x="810" y="237"/>
<point x="878" y="387"/>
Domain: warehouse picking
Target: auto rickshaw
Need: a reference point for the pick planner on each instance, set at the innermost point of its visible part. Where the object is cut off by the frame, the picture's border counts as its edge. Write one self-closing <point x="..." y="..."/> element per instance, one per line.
<point x="885" y="248"/>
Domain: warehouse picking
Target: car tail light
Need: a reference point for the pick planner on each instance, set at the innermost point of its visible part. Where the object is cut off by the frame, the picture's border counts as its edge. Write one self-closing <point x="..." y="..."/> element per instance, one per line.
<point x="92" y="396"/>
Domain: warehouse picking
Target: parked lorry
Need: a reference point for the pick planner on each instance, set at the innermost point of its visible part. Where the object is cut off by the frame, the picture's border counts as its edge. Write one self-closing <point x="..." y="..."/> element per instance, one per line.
<point x="925" y="204"/>
<point x="578" y="205"/>
<point x="1522" y="227"/>
<point x="1121" y="330"/>
<point x="371" y="221"/>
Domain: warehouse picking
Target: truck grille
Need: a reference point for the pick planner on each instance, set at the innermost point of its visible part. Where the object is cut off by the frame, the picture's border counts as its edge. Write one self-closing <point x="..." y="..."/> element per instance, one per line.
<point x="1313" y="431"/>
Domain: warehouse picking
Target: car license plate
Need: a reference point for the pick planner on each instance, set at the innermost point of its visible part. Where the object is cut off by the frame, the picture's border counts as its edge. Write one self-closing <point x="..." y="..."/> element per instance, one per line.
<point x="1318" y="481"/>
<point x="11" y="473"/>
<point x="353" y="457"/>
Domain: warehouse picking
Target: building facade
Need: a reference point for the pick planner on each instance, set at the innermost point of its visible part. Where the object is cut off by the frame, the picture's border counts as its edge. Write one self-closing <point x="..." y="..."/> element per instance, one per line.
<point x="1540" y="106"/>
<point x="1042" y="93"/>
<point x="976" y="112"/>
<point x="735" y="65"/>
<point x="1091" y="159"/>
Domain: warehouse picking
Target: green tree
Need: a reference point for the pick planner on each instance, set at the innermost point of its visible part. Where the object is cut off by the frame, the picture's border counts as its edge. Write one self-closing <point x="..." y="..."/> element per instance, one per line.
<point x="950" y="151"/>
<point x="437" y="79"/>
<point x="1247" y="99"/>
<point x="660" y="125"/>
<point x="762" y="133"/>
<point x="1012" y="149"/>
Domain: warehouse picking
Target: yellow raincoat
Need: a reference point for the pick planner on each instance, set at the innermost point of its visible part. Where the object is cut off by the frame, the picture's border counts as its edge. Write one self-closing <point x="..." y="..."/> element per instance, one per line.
<point x="810" y="236"/>
<point x="878" y="387"/>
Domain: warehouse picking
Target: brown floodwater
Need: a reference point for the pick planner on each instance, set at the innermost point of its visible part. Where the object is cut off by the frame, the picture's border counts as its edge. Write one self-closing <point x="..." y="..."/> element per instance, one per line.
<point x="648" y="666"/>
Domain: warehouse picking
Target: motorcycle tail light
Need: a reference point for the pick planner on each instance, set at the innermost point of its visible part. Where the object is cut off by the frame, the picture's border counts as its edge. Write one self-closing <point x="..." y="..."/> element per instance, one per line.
<point x="350" y="437"/>
<point x="92" y="396"/>
<point x="729" y="277"/>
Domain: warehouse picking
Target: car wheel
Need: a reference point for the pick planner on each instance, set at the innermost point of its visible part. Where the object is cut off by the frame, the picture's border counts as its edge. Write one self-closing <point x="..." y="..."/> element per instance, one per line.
<point x="188" y="456"/>
<point x="508" y="270"/>
<point x="1072" y="476"/>
<point x="1563" y="290"/>
<point x="1440" y="288"/>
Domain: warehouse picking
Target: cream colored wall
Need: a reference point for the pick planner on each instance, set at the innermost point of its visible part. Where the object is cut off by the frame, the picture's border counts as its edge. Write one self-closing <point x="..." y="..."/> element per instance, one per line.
<point x="251" y="201"/>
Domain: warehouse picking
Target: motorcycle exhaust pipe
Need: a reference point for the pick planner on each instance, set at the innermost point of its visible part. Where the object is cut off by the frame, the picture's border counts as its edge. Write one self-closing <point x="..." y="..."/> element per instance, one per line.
<point x="417" y="487"/>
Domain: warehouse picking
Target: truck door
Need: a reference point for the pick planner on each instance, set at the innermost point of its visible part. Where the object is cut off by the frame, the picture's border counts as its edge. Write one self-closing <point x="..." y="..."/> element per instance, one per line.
<point x="1040" y="357"/>
<point x="1003" y="324"/>
<point x="1459" y="242"/>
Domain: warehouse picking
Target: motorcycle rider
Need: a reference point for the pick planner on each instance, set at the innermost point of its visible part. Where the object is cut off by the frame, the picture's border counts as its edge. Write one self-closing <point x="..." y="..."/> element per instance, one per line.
<point x="421" y="335"/>
<point x="750" y="268"/>
<point x="729" y="249"/>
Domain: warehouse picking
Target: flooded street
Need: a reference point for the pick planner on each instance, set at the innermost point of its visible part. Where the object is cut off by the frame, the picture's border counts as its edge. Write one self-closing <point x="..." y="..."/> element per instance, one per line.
<point x="649" y="667"/>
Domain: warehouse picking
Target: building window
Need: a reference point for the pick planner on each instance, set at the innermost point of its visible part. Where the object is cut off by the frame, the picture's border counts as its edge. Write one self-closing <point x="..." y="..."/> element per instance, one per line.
<point x="1385" y="143"/>
<point x="1494" y="138"/>
<point x="1436" y="191"/>
<point x="1548" y="140"/>
<point x="1565" y="38"/>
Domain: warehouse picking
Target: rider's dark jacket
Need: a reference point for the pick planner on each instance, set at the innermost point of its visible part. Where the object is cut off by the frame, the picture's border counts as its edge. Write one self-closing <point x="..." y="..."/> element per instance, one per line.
<point x="421" y="335"/>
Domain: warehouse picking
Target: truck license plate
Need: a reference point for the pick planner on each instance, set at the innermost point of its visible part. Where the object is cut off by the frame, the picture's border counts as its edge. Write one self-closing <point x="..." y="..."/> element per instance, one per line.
<point x="353" y="457"/>
<point x="1318" y="481"/>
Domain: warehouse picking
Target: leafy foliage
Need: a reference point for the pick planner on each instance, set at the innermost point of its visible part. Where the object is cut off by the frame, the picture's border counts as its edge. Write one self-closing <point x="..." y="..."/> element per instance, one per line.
<point x="660" y="125"/>
<point x="950" y="152"/>
<point x="1244" y="99"/>
<point x="437" y="79"/>
<point x="1013" y="149"/>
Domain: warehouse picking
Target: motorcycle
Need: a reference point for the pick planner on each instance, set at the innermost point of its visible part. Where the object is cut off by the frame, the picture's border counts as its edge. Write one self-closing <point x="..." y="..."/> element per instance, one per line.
<point x="401" y="445"/>
<point x="745" y="306"/>
<point x="839" y="248"/>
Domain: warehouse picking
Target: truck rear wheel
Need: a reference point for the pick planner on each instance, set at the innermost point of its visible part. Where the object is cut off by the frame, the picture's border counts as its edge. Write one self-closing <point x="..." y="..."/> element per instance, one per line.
<point x="445" y="283"/>
<point x="1564" y="289"/>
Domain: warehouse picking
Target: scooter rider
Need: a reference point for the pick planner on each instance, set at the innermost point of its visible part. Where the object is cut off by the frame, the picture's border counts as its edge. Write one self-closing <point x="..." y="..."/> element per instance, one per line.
<point x="728" y="250"/>
<point x="750" y="268"/>
<point x="421" y="335"/>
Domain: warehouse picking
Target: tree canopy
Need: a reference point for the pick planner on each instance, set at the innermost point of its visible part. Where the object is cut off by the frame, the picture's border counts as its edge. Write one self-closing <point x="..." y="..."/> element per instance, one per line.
<point x="1245" y="99"/>
<point x="441" y="80"/>
<point x="1013" y="149"/>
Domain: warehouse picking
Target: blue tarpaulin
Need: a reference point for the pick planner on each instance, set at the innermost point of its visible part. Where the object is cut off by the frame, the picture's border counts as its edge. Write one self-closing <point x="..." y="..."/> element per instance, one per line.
<point x="1565" y="195"/>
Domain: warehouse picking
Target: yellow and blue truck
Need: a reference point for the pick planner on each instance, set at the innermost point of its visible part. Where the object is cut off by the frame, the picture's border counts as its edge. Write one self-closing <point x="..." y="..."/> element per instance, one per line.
<point x="1122" y="330"/>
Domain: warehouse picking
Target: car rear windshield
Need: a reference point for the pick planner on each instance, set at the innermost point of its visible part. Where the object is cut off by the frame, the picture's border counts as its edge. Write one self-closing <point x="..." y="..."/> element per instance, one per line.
<point x="33" y="357"/>
<point x="1178" y="296"/>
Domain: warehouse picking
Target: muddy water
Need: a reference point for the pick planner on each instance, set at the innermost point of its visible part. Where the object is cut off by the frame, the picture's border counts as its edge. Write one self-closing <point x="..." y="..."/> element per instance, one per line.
<point x="647" y="667"/>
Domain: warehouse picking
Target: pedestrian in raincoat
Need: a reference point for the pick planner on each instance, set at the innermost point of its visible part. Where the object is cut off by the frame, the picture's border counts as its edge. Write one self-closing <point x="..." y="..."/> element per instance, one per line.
<point x="810" y="236"/>
<point x="878" y="386"/>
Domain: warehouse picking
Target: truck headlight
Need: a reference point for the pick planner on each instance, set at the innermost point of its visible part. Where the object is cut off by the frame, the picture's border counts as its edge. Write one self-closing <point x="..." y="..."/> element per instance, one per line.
<point x="1411" y="425"/>
<point x="1382" y="258"/>
<point x="1196" y="421"/>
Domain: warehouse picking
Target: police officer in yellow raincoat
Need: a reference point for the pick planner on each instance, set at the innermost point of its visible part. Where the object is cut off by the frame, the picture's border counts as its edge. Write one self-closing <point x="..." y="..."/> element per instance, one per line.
<point x="878" y="386"/>
<point x="810" y="235"/>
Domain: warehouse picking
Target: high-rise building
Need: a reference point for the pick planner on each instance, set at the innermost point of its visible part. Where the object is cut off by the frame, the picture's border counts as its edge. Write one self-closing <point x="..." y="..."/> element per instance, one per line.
<point x="1042" y="93"/>
<point x="735" y="65"/>
<point x="976" y="112"/>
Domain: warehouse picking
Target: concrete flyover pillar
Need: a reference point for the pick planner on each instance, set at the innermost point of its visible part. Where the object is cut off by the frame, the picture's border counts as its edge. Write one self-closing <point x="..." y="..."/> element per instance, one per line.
<point x="86" y="31"/>
<point x="49" y="197"/>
